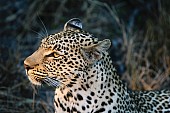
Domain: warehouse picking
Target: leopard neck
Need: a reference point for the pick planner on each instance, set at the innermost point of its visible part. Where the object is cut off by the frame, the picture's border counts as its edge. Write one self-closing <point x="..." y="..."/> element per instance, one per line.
<point x="104" y="76"/>
<point x="99" y="82"/>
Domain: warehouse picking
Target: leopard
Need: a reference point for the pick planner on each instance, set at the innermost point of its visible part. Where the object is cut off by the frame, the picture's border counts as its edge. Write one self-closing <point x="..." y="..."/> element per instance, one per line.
<point x="80" y="68"/>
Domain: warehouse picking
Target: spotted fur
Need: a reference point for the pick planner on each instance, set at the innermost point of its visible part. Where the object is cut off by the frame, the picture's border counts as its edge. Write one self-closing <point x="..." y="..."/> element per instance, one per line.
<point x="79" y="66"/>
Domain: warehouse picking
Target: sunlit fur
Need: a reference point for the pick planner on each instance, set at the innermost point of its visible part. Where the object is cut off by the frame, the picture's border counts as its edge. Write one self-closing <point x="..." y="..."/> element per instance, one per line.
<point x="79" y="66"/>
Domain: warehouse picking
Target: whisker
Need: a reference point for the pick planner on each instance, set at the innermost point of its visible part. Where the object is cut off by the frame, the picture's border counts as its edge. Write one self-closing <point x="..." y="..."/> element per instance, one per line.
<point x="38" y="34"/>
<point x="43" y="26"/>
<point x="47" y="82"/>
<point x="51" y="81"/>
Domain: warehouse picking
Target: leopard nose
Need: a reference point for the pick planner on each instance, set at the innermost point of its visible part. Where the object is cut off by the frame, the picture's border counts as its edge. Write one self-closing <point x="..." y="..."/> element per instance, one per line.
<point x="33" y="60"/>
<point x="27" y="65"/>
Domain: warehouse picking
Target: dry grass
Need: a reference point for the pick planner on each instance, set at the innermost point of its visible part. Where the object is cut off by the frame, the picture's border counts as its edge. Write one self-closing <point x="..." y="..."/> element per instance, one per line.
<point x="139" y="32"/>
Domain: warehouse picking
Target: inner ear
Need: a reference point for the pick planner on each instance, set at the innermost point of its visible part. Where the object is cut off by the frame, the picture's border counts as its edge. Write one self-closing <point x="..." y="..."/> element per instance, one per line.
<point x="94" y="53"/>
<point x="91" y="54"/>
<point x="73" y="24"/>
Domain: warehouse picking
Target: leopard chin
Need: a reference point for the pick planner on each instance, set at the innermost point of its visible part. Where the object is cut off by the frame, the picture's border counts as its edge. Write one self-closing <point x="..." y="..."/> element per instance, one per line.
<point x="35" y="79"/>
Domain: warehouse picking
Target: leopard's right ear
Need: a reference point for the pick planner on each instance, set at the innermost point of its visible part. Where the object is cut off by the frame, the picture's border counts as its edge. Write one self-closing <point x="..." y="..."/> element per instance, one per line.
<point x="94" y="52"/>
<point x="73" y="24"/>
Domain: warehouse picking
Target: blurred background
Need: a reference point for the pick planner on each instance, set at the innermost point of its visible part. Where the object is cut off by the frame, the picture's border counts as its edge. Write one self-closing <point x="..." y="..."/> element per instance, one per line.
<point x="139" y="31"/>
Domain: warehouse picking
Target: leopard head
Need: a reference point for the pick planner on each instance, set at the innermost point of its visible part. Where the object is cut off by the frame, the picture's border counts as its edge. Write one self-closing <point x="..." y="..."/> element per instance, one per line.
<point x="62" y="56"/>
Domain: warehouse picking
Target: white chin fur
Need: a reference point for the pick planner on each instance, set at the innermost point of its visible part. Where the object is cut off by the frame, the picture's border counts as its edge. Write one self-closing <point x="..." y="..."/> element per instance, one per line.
<point x="34" y="81"/>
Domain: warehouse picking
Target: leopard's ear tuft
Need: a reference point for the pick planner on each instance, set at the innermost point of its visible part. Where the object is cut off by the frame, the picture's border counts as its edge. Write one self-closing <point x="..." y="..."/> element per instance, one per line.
<point x="73" y="24"/>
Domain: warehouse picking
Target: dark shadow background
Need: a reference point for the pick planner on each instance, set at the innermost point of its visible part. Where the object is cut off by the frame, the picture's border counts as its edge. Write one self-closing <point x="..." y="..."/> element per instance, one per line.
<point x="139" y="31"/>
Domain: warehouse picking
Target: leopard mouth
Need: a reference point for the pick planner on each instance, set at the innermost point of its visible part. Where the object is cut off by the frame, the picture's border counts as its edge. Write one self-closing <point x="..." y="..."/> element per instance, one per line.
<point x="34" y="78"/>
<point x="38" y="79"/>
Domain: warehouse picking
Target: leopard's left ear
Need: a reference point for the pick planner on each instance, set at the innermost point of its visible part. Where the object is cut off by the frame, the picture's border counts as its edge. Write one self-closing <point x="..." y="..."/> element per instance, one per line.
<point x="73" y="24"/>
<point x="94" y="53"/>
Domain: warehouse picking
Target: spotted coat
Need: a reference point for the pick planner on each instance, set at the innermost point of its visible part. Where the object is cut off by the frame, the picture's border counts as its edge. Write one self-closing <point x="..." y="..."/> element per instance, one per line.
<point x="79" y="66"/>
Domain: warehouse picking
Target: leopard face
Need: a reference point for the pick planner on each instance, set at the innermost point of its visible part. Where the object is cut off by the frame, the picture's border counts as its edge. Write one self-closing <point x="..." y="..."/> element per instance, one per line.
<point x="63" y="55"/>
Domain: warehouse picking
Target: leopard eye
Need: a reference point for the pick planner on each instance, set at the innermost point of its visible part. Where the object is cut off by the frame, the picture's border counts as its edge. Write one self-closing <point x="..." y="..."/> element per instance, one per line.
<point x="53" y="54"/>
<point x="56" y="55"/>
